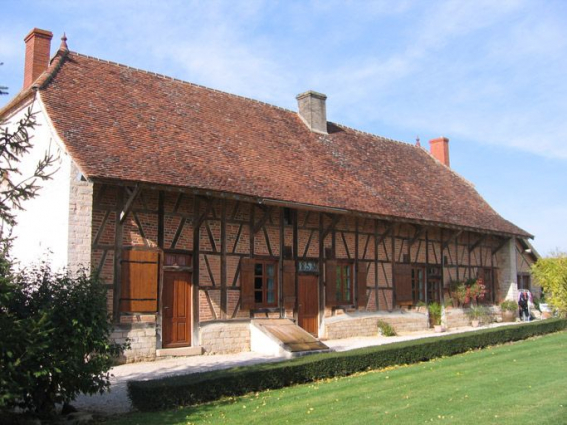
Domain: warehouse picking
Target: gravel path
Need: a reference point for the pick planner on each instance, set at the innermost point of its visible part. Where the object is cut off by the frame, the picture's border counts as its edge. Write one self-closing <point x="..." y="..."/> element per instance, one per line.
<point x="116" y="401"/>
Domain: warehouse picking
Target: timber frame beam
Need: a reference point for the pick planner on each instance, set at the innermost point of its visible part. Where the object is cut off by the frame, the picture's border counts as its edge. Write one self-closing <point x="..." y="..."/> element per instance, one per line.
<point x="480" y="240"/>
<point x="335" y="219"/>
<point x="419" y="232"/>
<point x="452" y="238"/>
<point x="386" y="233"/>
<point x="132" y="195"/>
<point x="500" y="245"/>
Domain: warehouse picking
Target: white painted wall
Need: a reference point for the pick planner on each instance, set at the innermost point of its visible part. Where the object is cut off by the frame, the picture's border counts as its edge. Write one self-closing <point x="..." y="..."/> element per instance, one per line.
<point x="41" y="232"/>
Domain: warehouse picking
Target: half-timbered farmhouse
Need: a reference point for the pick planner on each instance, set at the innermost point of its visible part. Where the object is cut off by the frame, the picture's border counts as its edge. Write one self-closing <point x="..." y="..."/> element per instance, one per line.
<point x="206" y="212"/>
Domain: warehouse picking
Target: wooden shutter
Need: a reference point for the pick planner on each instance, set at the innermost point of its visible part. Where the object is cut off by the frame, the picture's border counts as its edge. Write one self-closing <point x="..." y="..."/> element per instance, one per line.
<point x="330" y="283"/>
<point x="247" y="283"/>
<point x="139" y="281"/>
<point x="361" y="285"/>
<point x="402" y="279"/>
<point x="289" y="284"/>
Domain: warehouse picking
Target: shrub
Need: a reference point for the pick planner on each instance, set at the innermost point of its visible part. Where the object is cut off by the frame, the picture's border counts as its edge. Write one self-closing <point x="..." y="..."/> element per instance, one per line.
<point x="55" y="338"/>
<point x="509" y="305"/>
<point x="203" y="387"/>
<point x="551" y="274"/>
<point x="386" y="329"/>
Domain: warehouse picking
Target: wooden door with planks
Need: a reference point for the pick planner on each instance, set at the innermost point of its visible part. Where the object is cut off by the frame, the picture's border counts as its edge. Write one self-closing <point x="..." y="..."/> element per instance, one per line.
<point x="308" y="312"/>
<point x="176" y="318"/>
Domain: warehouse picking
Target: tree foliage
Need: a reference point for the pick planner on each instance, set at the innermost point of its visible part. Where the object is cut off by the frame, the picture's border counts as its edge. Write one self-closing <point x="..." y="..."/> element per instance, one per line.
<point x="55" y="338"/>
<point x="15" y="188"/>
<point x="551" y="274"/>
<point x="54" y="327"/>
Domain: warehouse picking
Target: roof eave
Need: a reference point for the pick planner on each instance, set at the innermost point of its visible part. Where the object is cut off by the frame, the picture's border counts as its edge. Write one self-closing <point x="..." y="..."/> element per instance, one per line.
<point x="312" y="207"/>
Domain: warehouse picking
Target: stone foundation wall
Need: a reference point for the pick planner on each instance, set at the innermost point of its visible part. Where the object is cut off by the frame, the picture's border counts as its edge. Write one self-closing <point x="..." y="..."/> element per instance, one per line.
<point x="349" y="327"/>
<point x="457" y="317"/>
<point x="224" y="338"/>
<point x="142" y="338"/>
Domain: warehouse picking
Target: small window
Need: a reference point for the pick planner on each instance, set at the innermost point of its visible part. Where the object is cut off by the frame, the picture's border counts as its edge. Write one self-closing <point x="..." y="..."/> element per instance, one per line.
<point x="418" y="284"/>
<point x="344" y="286"/>
<point x="265" y="284"/>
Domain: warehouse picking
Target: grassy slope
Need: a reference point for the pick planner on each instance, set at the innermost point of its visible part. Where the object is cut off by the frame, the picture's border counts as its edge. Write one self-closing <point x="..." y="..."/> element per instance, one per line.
<point x="520" y="383"/>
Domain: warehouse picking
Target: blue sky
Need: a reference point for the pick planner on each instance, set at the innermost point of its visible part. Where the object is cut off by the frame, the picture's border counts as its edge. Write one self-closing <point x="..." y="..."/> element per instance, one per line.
<point x="489" y="75"/>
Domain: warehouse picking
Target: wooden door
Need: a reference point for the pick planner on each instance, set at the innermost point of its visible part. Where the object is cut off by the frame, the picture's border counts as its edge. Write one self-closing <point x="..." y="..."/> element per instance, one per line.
<point x="176" y="318"/>
<point x="308" y="312"/>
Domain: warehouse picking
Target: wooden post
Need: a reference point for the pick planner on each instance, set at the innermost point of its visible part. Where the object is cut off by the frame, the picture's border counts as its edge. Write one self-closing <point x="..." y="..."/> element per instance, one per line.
<point x="393" y="236"/>
<point x="195" y="274"/>
<point x="252" y="234"/>
<point x="224" y="291"/>
<point x="321" y="263"/>
<point x="281" y="262"/>
<point x="376" y="264"/>
<point x="161" y="223"/>
<point x="118" y="234"/>
<point x="356" y="265"/>
<point x="443" y="260"/>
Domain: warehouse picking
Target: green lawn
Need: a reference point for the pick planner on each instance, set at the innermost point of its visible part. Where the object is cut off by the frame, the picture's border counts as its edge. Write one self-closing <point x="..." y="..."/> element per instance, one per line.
<point x="520" y="383"/>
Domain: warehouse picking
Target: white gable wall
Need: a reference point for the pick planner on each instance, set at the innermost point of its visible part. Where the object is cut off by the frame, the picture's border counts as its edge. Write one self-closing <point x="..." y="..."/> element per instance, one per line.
<point x="42" y="229"/>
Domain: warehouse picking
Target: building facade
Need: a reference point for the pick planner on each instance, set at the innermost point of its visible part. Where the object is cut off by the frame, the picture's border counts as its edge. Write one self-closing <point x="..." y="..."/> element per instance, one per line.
<point x="202" y="211"/>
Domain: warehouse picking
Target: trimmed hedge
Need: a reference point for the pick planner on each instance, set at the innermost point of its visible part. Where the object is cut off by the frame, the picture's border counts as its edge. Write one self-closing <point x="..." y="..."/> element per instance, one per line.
<point x="198" y="388"/>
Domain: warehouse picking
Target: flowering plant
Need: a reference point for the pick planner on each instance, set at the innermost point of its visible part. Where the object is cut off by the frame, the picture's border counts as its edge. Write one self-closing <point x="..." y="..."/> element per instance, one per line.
<point x="471" y="290"/>
<point x="476" y="290"/>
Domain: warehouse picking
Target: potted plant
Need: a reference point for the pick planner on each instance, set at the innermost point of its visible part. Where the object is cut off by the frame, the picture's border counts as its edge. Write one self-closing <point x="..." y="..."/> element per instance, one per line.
<point x="435" y="315"/>
<point x="509" y="310"/>
<point x="478" y="314"/>
<point x="458" y="292"/>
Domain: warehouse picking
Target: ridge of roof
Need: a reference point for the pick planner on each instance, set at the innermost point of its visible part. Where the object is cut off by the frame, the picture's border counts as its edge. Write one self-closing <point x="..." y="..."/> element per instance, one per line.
<point x="421" y="148"/>
<point x="167" y="77"/>
<point x="237" y="96"/>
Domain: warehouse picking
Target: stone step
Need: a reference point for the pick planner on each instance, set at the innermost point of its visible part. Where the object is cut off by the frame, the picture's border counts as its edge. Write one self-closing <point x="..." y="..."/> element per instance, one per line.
<point x="181" y="351"/>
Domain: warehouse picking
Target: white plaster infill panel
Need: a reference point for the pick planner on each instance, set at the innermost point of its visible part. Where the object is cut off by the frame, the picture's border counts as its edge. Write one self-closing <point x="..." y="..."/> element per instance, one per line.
<point x="42" y="228"/>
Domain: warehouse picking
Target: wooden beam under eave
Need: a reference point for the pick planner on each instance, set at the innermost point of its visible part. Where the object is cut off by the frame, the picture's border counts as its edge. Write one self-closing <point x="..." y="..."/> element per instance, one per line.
<point x="267" y="212"/>
<point x="334" y="222"/>
<point x="480" y="240"/>
<point x="265" y="202"/>
<point x="386" y="233"/>
<point x="500" y="245"/>
<point x="420" y="230"/>
<point x="128" y="205"/>
<point x="452" y="238"/>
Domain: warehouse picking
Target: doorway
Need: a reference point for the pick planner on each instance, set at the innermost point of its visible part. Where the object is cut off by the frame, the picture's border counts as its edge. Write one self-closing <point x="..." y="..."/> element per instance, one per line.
<point x="176" y="317"/>
<point x="308" y="308"/>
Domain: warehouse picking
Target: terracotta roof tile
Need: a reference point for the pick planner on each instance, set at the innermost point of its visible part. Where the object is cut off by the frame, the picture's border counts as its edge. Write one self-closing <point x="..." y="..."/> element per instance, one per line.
<point x="126" y="124"/>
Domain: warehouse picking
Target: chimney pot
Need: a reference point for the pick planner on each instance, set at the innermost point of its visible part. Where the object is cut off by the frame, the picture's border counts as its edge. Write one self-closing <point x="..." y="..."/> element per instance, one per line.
<point x="313" y="110"/>
<point x="440" y="150"/>
<point x="38" y="48"/>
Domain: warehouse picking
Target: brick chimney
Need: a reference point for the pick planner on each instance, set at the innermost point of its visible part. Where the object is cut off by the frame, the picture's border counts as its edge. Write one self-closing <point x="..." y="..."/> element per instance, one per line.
<point x="440" y="149"/>
<point x="312" y="110"/>
<point x="38" y="47"/>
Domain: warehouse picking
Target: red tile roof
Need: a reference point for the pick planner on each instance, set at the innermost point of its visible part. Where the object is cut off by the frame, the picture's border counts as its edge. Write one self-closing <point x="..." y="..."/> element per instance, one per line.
<point x="125" y="124"/>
